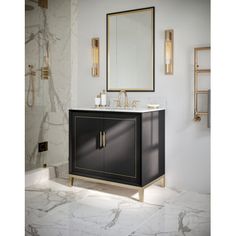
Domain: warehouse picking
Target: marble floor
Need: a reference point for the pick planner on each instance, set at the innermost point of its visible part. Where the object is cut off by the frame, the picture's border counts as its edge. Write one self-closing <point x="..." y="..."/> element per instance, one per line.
<point x="89" y="209"/>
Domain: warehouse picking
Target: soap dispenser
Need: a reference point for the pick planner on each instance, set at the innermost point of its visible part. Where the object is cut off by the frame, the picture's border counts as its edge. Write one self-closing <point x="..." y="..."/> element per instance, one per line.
<point x="97" y="101"/>
<point x="103" y="98"/>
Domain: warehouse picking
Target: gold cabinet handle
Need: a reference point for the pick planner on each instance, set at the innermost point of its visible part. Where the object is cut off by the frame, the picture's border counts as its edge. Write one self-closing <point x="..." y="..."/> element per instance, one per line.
<point x="104" y="139"/>
<point x="100" y="139"/>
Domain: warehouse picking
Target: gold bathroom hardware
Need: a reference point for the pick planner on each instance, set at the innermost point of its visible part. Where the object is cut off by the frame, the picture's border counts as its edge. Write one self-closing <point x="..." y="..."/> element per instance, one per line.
<point x="126" y="102"/>
<point x="31" y="89"/>
<point x="43" y="3"/>
<point x="197" y="91"/>
<point x="95" y="57"/>
<point x="134" y="103"/>
<point x="100" y="139"/>
<point x="32" y="71"/>
<point x="44" y="72"/>
<point x="160" y="181"/>
<point x="117" y="102"/>
<point x="169" y="51"/>
<point x="104" y="139"/>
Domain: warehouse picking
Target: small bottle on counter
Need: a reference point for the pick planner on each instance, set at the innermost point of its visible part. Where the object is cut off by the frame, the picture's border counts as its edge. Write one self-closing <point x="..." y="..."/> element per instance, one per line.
<point x="98" y="101"/>
<point x="103" y="98"/>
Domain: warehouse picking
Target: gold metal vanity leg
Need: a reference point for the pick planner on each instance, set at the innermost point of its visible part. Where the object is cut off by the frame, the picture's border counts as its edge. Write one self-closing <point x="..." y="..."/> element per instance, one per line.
<point x="141" y="194"/>
<point x="163" y="181"/>
<point x="71" y="180"/>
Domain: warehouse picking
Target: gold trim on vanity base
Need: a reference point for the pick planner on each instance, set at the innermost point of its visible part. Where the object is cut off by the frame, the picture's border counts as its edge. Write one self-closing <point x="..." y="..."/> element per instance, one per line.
<point x="161" y="180"/>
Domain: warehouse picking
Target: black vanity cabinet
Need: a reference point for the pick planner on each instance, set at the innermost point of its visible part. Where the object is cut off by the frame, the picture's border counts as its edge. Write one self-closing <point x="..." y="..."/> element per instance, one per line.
<point x="122" y="147"/>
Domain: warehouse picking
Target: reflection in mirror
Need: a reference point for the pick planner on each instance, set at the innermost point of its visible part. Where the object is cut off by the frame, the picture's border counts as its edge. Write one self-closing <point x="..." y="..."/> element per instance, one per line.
<point x="130" y="50"/>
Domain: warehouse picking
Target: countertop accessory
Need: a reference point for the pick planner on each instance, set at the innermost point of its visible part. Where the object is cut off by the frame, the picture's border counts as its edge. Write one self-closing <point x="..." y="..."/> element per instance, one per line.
<point x="153" y="106"/>
<point x="103" y="98"/>
<point x="97" y="101"/>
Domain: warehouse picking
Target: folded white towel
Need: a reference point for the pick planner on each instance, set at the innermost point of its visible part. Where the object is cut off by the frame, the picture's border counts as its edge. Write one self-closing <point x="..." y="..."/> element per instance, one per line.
<point x="153" y="105"/>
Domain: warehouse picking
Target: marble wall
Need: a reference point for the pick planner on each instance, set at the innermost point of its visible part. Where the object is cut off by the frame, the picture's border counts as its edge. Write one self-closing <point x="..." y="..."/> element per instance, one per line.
<point x="47" y="32"/>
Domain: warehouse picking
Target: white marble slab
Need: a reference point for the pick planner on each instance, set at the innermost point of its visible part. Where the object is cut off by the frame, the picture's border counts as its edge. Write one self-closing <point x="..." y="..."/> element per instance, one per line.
<point x="53" y="208"/>
<point x="114" y="109"/>
<point x="48" y="32"/>
<point x="173" y="220"/>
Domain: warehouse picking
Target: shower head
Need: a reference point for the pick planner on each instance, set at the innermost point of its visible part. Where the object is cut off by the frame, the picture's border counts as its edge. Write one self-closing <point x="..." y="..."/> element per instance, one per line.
<point x="28" y="8"/>
<point x="40" y="3"/>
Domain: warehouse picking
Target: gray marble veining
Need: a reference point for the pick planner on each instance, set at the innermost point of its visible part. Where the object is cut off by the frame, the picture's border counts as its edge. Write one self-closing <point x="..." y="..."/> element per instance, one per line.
<point x="53" y="208"/>
<point x="48" y="34"/>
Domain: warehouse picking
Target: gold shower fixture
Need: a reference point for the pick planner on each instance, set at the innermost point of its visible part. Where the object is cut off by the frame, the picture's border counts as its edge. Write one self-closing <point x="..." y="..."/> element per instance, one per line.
<point x="43" y="3"/>
<point x="169" y="44"/>
<point x="30" y="97"/>
<point x="95" y="57"/>
<point x="44" y="72"/>
<point x="45" y="68"/>
<point x="31" y="69"/>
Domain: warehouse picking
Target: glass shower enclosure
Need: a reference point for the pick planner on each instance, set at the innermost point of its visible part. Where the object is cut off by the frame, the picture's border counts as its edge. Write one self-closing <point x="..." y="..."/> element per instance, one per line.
<point x="47" y="82"/>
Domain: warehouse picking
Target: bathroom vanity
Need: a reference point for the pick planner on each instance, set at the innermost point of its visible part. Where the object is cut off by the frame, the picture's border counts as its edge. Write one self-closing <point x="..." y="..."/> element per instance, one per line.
<point x="124" y="147"/>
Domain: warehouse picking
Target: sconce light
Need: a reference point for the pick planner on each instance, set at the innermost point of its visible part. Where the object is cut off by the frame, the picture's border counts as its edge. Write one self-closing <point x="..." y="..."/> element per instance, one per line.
<point x="169" y="44"/>
<point x="95" y="57"/>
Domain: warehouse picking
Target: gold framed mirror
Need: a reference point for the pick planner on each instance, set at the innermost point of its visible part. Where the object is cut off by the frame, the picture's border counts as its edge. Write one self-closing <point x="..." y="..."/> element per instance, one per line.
<point x="130" y="50"/>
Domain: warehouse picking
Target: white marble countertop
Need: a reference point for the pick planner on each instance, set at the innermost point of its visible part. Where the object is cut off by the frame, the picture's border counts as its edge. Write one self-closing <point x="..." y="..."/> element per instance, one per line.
<point x="115" y="109"/>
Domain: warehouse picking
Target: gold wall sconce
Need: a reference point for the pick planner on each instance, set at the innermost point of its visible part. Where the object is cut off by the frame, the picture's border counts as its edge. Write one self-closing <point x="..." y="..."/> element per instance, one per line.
<point x="95" y="57"/>
<point x="169" y="45"/>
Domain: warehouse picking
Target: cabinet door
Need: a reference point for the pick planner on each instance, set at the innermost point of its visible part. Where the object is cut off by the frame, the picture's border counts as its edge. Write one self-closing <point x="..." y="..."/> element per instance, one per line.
<point x="121" y="153"/>
<point x="85" y="148"/>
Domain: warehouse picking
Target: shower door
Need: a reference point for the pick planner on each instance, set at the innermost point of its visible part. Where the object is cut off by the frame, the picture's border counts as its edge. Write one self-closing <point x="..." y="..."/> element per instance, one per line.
<point x="47" y="83"/>
<point x="35" y="109"/>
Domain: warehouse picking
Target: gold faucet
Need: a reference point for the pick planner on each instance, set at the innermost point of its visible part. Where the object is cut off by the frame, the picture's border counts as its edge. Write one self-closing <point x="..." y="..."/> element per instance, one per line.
<point x="126" y="102"/>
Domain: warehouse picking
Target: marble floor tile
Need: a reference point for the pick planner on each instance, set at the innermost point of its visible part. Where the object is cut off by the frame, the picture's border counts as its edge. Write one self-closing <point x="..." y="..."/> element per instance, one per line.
<point x="173" y="221"/>
<point x="187" y="214"/>
<point x="53" y="208"/>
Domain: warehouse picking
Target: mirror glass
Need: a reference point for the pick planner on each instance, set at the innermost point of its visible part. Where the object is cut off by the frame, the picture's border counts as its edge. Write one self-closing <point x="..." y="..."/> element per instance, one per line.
<point x="130" y="50"/>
